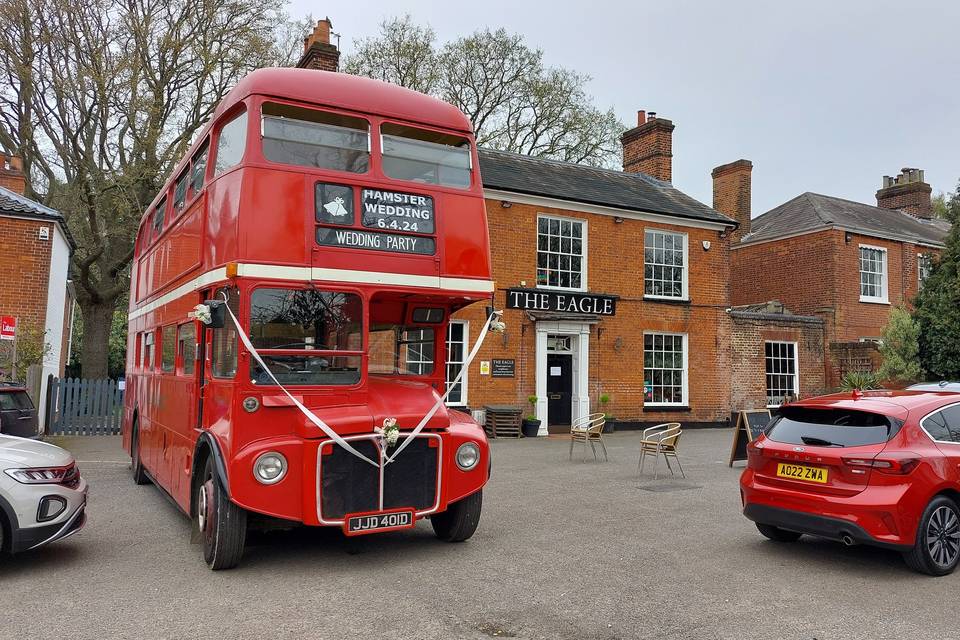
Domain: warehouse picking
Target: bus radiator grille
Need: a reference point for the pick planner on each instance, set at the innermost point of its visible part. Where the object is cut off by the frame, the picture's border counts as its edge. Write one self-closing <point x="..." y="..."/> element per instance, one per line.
<point x="350" y="485"/>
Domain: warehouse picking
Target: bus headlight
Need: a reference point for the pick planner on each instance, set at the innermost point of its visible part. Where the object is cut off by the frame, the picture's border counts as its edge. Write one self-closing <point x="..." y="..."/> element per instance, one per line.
<point x="468" y="455"/>
<point x="270" y="468"/>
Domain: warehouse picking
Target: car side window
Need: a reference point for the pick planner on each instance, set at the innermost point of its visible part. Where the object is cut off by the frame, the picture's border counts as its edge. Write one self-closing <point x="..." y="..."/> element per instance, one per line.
<point x="951" y="418"/>
<point x="936" y="425"/>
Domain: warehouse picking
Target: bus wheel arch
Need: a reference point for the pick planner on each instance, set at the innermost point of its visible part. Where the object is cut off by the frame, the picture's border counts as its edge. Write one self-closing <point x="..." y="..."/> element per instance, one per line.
<point x="206" y="448"/>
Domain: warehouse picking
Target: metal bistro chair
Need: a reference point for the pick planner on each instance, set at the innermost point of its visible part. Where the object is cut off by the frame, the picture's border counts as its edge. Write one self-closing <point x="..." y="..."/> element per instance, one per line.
<point x="588" y="429"/>
<point x="662" y="439"/>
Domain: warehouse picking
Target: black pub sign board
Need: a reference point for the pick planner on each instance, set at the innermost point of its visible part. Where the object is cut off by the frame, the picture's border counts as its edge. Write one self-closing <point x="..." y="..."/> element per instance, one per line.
<point x="502" y="368"/>
<point x="599" y="304"/>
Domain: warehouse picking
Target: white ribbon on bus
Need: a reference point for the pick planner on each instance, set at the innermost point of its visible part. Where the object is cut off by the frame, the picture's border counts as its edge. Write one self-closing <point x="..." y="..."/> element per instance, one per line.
<point x="333" y="435"/>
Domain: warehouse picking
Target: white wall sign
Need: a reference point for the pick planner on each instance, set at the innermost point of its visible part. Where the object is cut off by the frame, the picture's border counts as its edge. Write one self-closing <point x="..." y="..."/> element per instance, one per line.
<point x="484" y="367"/>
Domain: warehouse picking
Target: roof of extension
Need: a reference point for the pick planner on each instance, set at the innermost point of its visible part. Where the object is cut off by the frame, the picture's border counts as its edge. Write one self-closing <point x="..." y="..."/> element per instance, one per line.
<point x="813" y="212"/>
<point x="14" y="204"/>
<point x="639" y="192"/>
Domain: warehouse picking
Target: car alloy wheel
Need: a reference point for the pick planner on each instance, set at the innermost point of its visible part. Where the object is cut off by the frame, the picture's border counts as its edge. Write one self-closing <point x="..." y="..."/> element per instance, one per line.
<point x="943" y="536"/>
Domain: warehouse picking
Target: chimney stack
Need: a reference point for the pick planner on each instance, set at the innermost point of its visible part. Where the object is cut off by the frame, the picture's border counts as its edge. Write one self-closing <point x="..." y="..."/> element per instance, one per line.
<point x="11" y="173"/>
<point x="318" y="53"/>
<point x="906" y="192"/>
<point x="648" y="147"/>
<point x="731" y="194"/>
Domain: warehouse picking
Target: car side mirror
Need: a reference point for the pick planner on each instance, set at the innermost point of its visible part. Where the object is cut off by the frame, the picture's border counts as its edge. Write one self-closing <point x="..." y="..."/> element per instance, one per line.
<point x="218" y="313"/>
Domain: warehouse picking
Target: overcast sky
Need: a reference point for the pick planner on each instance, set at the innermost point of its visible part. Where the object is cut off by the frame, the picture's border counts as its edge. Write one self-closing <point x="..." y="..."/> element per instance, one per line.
<point x="821" y="96"/>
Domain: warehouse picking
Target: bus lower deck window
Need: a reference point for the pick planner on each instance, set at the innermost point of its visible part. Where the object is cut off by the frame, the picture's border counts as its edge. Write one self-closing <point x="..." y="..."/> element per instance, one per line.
<point x="326" y="327"/>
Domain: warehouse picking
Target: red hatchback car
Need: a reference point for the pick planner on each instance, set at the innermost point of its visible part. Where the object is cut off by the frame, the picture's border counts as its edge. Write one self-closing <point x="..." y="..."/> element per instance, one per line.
<point x="877" y="467"/>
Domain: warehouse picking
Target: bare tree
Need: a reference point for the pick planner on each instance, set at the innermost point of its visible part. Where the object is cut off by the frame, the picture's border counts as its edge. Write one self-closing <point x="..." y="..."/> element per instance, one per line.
<point x="403" y="54"/>
<point x="515" y="101"/>
<point x="101" y="97"/>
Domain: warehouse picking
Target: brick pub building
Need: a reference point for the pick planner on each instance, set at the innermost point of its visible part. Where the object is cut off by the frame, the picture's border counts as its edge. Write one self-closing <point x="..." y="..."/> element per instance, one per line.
<point x="35" y="251"/>
<point x="845" y="262"/>
<point x="617" y="292"/>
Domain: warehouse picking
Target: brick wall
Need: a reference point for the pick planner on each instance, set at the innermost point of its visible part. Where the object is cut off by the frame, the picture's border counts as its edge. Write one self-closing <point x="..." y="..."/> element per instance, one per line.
<point x="615" y="266"/>
<point x="750" y="332"/>
<point x="798" y="272"/>
<point x="25" y="261"/>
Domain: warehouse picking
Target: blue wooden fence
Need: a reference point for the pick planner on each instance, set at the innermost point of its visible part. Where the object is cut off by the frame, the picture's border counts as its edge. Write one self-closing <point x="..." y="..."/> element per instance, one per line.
<point x="83" y="407"/>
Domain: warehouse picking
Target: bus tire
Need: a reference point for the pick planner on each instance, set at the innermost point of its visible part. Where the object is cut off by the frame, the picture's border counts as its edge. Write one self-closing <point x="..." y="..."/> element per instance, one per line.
<point x="460" y="520"/>
<point x="136" y="463"/>
<point x="222" y="524"/>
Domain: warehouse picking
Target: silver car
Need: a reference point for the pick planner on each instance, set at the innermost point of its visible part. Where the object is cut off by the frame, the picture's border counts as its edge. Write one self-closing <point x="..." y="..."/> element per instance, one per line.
<point x="42" y="496"/>
<point x="949" y="387"/>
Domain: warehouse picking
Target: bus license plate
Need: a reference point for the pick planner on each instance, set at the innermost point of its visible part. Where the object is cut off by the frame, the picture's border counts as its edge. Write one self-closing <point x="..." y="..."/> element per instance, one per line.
<point x="802" y="472"/>
<point x="361" y="523"/>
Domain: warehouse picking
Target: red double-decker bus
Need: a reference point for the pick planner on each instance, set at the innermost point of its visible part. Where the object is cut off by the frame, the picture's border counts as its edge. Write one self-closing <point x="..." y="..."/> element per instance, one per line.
<point x="328" y="226"/>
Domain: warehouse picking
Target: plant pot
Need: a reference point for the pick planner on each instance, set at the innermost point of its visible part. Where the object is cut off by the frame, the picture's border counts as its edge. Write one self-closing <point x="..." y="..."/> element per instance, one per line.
<point x="609" y="426"/>
<point x="530" y="428"/>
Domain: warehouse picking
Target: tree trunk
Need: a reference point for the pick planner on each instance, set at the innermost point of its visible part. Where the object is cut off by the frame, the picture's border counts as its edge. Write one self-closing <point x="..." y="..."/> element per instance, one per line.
<point x="97" y="320"/>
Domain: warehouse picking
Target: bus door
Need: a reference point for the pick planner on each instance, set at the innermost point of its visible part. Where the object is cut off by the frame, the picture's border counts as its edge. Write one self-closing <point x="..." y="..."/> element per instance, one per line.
<point x="218" y="371"/>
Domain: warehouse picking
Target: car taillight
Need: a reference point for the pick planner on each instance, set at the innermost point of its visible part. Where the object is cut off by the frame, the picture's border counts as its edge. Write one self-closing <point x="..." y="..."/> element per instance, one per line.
<point x="755" y="454"/>
<point x="893" y="463"/>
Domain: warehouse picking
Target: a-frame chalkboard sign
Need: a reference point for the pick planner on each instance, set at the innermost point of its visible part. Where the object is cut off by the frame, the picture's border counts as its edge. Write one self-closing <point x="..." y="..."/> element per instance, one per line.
<point x="750" y="424"/>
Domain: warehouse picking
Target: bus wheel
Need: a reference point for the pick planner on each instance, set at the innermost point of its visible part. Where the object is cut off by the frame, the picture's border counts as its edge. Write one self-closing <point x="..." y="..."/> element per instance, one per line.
<point x="136" y="465"/>
<point x="460" y="520"/>
<point x="222" y="524"/>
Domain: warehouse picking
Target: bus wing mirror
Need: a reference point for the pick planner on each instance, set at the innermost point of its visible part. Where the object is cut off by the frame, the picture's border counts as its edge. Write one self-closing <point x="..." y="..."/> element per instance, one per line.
<point x="218" y="313"/>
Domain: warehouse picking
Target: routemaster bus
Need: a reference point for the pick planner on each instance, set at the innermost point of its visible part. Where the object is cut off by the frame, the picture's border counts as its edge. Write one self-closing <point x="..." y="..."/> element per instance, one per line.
<point x="290" y="299"/>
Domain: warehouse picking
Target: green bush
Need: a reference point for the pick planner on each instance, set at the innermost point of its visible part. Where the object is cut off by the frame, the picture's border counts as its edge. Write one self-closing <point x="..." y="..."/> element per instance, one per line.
<point x="937" y="306"/>
<point x="862" y="380"/>
<point x="900" y="349"/>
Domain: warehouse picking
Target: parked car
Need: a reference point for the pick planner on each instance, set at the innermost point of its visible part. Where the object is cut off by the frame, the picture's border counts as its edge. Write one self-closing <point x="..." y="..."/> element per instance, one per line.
<point x="42" y="496"/>
<point x="943" y="385"/>
<point x="18" y="416"/>
<point x="877" y="467"/>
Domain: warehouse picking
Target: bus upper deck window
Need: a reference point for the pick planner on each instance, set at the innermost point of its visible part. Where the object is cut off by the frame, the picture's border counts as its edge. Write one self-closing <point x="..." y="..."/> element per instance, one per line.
<point x="312" y="138"/>
<point x="198" y="169"/>
<point x="426" y="156"/>
<point x="231" y="143"/>
<point x="180" y="192"/>
<point x="158" y="215"/>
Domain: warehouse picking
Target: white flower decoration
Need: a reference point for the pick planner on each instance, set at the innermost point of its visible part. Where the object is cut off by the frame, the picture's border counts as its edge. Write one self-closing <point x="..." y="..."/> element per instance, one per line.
<point x="201" y="312"/>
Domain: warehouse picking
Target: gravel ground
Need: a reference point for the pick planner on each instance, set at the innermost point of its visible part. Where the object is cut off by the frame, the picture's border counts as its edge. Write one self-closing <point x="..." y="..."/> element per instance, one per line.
<point x="565" y="550"/>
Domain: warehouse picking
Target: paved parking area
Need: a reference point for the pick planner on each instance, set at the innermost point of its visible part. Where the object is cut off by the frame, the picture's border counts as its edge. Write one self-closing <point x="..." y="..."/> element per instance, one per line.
<point x="565" y="550"/>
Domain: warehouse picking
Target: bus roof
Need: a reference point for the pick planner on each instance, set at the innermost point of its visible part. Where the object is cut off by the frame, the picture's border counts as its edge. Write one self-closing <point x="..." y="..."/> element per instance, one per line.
<point x="345" y="91"/>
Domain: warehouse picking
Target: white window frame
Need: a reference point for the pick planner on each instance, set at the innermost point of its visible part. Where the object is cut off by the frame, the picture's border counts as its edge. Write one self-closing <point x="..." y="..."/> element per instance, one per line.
<point x="583" y="256"/>
<point x="920" y="258"/>
<point x="685" y="290"/>
<point x="884" y="298"/>
<point x="796" y="369"/>
<point x="466" y="371"/>
<point x="685" y="387"/>
<point x="420" y="360"/>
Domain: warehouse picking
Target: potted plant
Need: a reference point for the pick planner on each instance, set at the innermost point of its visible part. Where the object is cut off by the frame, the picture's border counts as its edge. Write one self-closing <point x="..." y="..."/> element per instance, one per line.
<point x="609" y="420"/>
<point x="530" y="426"/>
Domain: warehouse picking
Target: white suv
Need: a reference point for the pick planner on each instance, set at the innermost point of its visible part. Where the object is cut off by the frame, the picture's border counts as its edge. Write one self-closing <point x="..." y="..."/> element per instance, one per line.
<point x="42" y="496"/>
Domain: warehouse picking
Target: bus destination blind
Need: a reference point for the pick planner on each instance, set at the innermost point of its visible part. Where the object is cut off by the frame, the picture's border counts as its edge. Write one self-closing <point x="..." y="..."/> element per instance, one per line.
<point x="391" y="242"/>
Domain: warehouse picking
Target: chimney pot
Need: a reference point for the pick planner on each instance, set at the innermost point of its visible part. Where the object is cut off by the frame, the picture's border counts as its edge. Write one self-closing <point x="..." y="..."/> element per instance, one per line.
<point x="907" y="192"/>
<point x="318" y="53"/>
<point x="652" y="116"/>
<point x="641" y="117"/>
